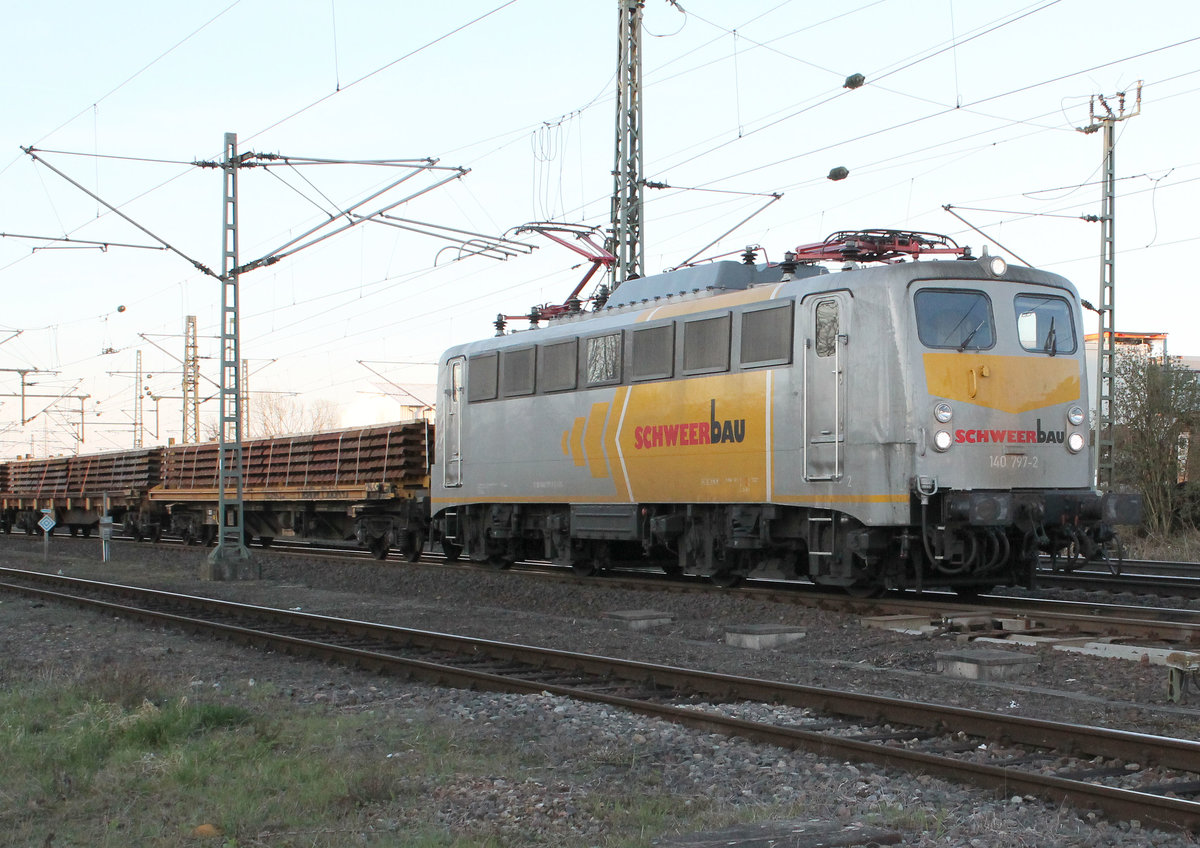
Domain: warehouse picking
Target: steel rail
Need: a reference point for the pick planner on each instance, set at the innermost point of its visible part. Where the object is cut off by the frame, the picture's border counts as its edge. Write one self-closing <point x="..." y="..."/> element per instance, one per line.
<point x="1180" y="626"/>
<point x="1183" y="755"/>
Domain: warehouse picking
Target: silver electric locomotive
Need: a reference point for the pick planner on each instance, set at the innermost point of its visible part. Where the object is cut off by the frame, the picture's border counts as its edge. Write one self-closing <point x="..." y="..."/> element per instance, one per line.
<point x="901" y="422"/>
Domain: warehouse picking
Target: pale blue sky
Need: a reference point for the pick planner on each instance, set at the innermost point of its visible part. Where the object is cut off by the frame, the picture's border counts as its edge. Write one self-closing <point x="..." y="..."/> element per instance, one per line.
<point x="966" y="103"/>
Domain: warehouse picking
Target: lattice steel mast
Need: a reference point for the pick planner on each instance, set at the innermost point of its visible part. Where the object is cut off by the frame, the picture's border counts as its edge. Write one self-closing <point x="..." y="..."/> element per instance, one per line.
<point x="231" y="541"/>
<point x="628" y="181"/>
<point x="139" y="418"/>
<point x="191" y="383"/>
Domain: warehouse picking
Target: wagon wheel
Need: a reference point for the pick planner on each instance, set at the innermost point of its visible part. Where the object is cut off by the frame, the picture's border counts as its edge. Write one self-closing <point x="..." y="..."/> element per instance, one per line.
<point x="379" y="548"/>
<point x="451" y="551"/>
<point x="188" y="537"/>
<point x="416" y="544"/>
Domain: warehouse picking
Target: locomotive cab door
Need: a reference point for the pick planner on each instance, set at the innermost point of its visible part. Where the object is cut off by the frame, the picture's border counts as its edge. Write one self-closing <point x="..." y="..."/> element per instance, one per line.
<point x="453" y="442"/>
<point x="824" y="330"/>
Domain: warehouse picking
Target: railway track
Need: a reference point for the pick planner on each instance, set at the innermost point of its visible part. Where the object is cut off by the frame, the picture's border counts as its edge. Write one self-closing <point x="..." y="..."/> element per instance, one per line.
<point x="1155" y="780"/>
<point x="1175" y="582"/>
<point x="1178" y="627"/>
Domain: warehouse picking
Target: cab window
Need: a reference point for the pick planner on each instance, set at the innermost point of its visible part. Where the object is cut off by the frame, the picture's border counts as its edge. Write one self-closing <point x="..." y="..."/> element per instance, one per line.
<point x="1044" y="323"/>
<point x="955" y="319"/>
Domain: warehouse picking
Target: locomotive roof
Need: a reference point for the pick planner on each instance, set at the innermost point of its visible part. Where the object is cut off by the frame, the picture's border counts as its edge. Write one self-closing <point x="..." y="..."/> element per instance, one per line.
<point x="699" y="283"/>
<point x="715" y="277"/>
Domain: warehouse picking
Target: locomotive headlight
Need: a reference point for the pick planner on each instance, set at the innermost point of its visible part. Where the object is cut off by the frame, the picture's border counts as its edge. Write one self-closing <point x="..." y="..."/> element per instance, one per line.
<point x="942" y="440"/>
<point x="1075" y="416"/>
<point x="943" y="413"/>
<point x="1075" y="442"/>
<point x="997" y="265"/>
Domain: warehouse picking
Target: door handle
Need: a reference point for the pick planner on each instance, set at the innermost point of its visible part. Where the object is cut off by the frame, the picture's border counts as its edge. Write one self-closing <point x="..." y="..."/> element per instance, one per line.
<point x="973" y="379"/>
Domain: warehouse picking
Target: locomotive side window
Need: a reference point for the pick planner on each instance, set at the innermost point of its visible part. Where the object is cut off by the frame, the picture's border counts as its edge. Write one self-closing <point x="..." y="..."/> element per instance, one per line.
<point x="481" y="376"/>
<point x="603" y="354"/>
<point x="558" y="369"/>
<point x="706" y="345"/>
<point x="653" y="354"/>
<point x="767" y="336"/>
<point x="957" y="319"/>
<point x="828" y="324"/>
<point x="516" y="372"/>
<point x="1044" y="323"/>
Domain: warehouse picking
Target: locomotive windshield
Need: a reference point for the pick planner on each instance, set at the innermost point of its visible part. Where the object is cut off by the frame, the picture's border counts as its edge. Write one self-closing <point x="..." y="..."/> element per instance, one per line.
<point x="961" y="320"/>
<point x="1044" y="323"/>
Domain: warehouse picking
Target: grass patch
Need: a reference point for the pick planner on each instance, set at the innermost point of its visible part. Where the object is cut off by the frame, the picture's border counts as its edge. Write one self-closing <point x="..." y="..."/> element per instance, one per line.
<point x="145" y="763"/>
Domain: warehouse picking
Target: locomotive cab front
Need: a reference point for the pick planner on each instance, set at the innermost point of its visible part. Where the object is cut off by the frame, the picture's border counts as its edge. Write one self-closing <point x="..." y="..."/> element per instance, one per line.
<point x="1003" y="470"/>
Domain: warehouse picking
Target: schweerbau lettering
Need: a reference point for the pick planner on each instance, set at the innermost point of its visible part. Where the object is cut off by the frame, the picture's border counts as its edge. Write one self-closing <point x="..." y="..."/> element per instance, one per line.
<point x="714" y="431"/>
<point x="1010" y="437"/>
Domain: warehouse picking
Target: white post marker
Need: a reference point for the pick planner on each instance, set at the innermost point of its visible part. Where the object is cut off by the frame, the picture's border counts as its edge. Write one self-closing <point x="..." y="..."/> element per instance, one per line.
<point x="47" y="523"/>
<point x="106" y="531"/>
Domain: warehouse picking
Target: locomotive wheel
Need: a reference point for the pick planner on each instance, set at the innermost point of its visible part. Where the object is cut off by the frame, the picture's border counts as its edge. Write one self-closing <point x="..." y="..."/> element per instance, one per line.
<point x="500" y="562"/>
<point x="865" y="588"/>
<point x="188" y="537"/>
<point x="416" y="543"/>
<point x="451" y="551"/>
<point x="726" y="579"/>
<point x="379" y="548"/>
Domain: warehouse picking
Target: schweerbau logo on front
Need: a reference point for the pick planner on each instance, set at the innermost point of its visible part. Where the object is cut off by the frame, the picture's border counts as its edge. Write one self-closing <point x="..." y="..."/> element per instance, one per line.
<point x="1037" y="436"/>
<point x="714" y="431"/>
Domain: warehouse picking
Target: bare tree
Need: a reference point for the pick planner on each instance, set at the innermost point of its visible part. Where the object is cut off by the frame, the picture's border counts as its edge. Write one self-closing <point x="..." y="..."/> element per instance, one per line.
<point x="279" y="414"/>
<point x="1156" y="404"/>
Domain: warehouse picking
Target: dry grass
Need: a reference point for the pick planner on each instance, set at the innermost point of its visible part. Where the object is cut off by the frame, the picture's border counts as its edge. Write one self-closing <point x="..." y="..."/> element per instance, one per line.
<point x="1179" y="546"/>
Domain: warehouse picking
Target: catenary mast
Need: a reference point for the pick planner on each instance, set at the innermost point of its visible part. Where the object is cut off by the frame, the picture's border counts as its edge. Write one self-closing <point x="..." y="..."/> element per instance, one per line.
<point x="626" y="241"/>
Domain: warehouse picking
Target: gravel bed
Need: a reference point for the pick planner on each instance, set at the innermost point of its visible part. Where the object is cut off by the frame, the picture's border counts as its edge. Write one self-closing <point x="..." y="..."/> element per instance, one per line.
<point x="837" y="652"/>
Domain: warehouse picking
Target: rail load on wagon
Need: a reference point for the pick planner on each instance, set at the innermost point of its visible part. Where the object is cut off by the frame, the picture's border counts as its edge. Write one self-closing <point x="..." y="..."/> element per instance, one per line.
<point x="366" y="483"/>
<point x="77" y="490"/>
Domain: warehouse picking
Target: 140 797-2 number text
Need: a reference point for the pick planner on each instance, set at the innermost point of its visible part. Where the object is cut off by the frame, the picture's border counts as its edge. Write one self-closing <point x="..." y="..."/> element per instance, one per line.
<point x="1014" y="460"/>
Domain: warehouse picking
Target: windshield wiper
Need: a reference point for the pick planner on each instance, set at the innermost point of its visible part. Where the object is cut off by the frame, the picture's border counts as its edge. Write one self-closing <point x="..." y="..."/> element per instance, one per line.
<point x="970" y="336"/>
<point x="1051" y="345"/>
